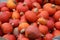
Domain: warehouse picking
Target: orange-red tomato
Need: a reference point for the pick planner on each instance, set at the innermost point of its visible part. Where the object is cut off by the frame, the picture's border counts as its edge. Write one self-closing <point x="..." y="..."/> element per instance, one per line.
<point x="11" y="4"/>
<point x="30" y="16"/>
<point x="4" y="9"/>
<point x="35" y="10"/>
<point x="44" y="14"/>
<point x="25" y="39"/>
<point x="36" y="5"/>
<point x="9" y="37"/>
<point x="50" y="8"/>
<point x="48" y="36"/>
<point x="5" y="16"/>
<point x="22" y="37"/>
<point x="15" y="15"/>
<point x="29" y="19"/>
<point x="50" y="24"/>
<point x="56" y="33"/>
<point x="57" y="25"/>
<point x="22" y="26"/>
<point x="43" y="29"/>
<point x="40" y="10"/>
<point x="23" y="19"/>
<point x="28" y="3"/>
<point x="6" y="28"/>
<point x="42" y="21"/>
<point x="14" y="22"/>
<point x="39" y="39"/>
<point x="33" y="1"/>
<point x="57" y="16"/>
<point x="3" y="4"/>
<point x="22" y="7"/>
<point x="57" y="7"/>
<point x="32" y="31"/>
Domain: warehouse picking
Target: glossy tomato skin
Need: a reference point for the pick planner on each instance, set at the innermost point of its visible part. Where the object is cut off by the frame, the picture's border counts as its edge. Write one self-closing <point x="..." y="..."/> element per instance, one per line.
<point x="7" y="28"/>
<point x="31" y="16"/>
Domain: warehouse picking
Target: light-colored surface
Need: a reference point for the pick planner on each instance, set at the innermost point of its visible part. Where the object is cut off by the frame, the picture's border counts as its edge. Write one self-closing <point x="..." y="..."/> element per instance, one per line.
<point x="3" y="1"/>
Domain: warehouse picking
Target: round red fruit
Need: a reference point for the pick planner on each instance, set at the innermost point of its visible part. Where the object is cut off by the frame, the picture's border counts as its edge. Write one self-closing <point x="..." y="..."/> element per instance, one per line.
<point x="4" y="9"/>
<point x="57" y="25"/>
<point x="43" y="14"/>
<point x="56" y="33"/>
<point x="14" y="22"/>
<point x="31" y="16"/>
<point x="43" y="29"/>
<point x="50" y="24"/>
<point x="50" y="8"/>
<point x="57" y="15"/>
<point x="48" y="36"/>
<point x="36" y="5"/>
<point x="5" y="16"/>
<point x="22" y="7"/>
<point x="6" y="28"/>
<point x="9" y="37"/>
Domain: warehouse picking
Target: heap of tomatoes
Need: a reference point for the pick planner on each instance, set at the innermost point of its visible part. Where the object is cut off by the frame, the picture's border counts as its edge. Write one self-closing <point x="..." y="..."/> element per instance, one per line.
<point x="29" y="19"/>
